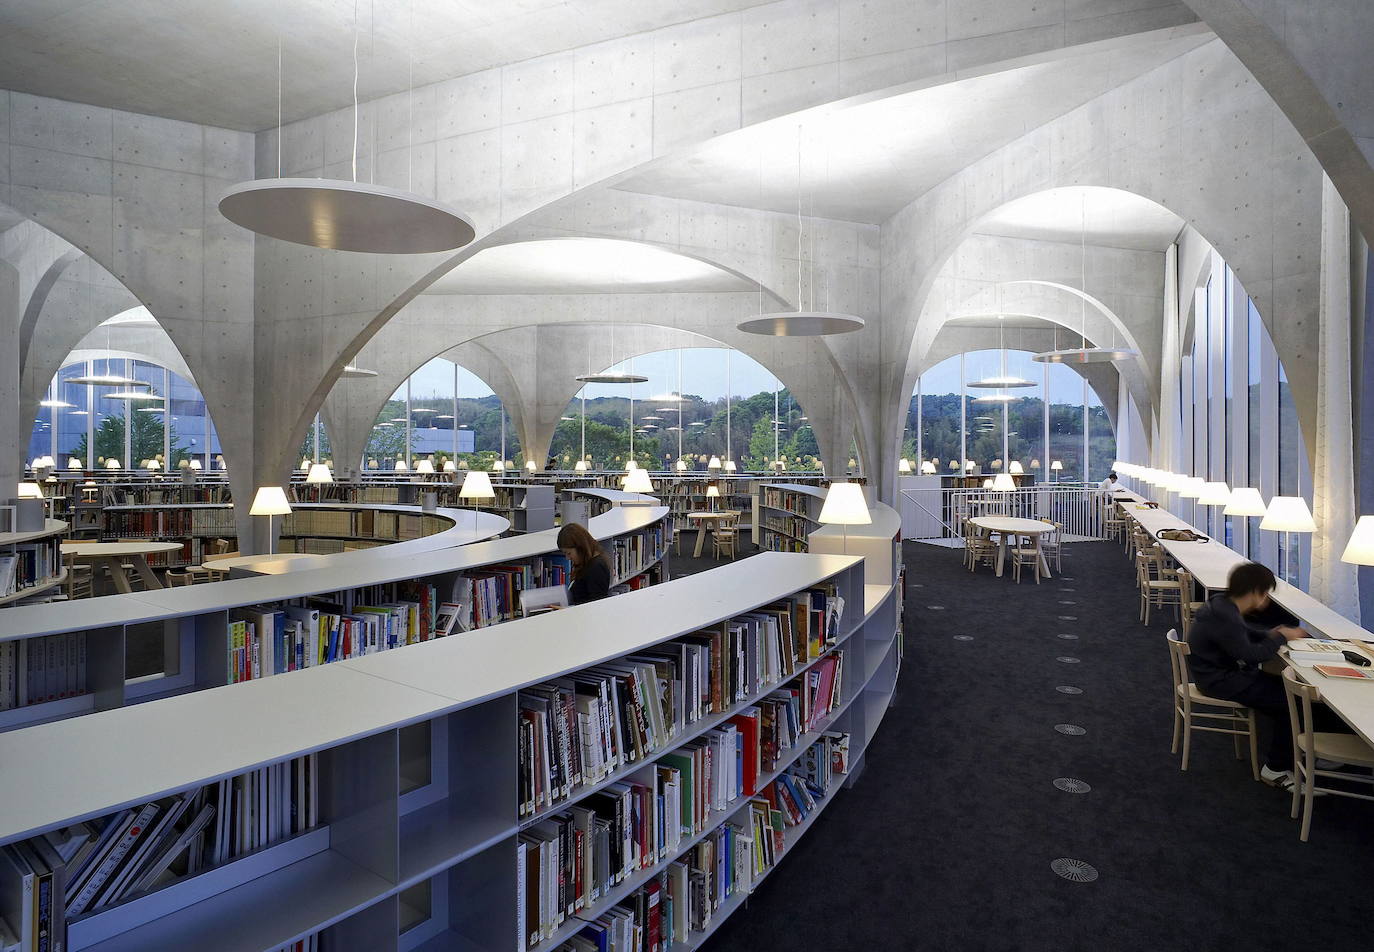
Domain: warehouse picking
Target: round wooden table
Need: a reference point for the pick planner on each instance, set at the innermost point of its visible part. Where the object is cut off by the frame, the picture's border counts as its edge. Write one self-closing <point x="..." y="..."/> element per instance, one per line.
<point x="704" y="519"/>
<point x="113" y="555"/>
<point x="1006" y="526"/>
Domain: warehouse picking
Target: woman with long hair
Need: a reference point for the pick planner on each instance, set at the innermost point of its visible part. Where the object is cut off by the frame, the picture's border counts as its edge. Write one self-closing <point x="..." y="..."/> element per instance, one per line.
<point x="591" y="569"/>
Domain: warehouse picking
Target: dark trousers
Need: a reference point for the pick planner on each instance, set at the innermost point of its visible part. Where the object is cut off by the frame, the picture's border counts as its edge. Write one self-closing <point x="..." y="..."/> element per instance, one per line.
<point x="1264" y="693"/>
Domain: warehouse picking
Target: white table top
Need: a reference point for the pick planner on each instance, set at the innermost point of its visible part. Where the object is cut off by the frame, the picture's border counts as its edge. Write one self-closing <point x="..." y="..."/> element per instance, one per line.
<point x="111" y="550"/>
<point x="1012" y="524"/>
<point x="1352" y="700"/>
<point x="269" y="564"/>
<point x="709" y="515"/>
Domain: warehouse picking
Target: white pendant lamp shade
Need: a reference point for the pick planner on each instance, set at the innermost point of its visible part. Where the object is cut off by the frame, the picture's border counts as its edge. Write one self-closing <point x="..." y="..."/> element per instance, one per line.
<point x="1214" y="494"/>
<point x="113" y="463"/>
<point x="346" y="216"/>
<point x="904" y="466"/>
<point x="844" y="506"/>
<point x="1244" y="502"/>
<point x="801" y="324"/>
<point x="638" y="481"/>
<point x="1003" y="483"/>
<point x="1288" y="514"/>
<point x="1360" y="549"/>
<point x="928" y="468"/>
<point x="270" y="501"/>
<point x="30" y="491"/>
<point x="580" y="466"/>
<point x="319" y="473"/>
<point x="1004" y="381"/>
<point x="132" y="395"/>
<point x="611" y="377"/>
<point x="57" y="404"/>
<point x="714" y="463"/>
<point x="450" y="466"/>
<point x="476" y="485"/>
<point x="1084" y="355"/>
<point x="106" y="380"/>
<point x="424" y="466"/>
<point x="1016" y="469"/>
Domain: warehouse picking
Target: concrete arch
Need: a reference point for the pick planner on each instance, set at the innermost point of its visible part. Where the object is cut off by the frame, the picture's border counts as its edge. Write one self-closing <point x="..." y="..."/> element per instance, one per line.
<point x="1138" y="138"/>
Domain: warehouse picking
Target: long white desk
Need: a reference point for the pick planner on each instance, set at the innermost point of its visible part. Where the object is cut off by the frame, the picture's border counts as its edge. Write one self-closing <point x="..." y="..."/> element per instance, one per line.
<point x="1211" y="563"/>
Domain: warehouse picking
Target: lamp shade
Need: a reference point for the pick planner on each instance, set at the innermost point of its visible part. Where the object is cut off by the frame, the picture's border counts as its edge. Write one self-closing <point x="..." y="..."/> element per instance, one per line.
<point x="714" y="464"/>
<point x="1016" y="469"/>
<point x="270" y="501"/>
<point x="424" y="466"/>
<point x="712" y="492"/>
<point x="73" y="463"/>
<point x="631" y="466"/>
<point x="1214" y="494"/>
<point x="319" y="473"/>
<point x="152" y="464"/>
<point x="1360" y="549"/>
<point x="195" y="464"/>
<point x="1056" y="466"/>
<point x="730" y="466"/>
<point x="987" y="483"/>
<point x="1288" y="514"/>
<point x="682" y="466"/>
<point x="401" y="466"/>
<point x="969" y="465"/>
<point x="580" y="466"/>
<point x="30" y="491"/>
<point x="928" y="468"/>
<point x="476" y="485"/>
<point x="305" y="464"/>
<point x="904" y="466"/>
<point x="638" y="481"/>
<point x="1244" y="502"/>
<point x="113" y="463"/>
<point x="845" y="506"/>
<point x="529" y="465"/>
<point x="1191" y="487"/>
<point x="1003" y="482"/>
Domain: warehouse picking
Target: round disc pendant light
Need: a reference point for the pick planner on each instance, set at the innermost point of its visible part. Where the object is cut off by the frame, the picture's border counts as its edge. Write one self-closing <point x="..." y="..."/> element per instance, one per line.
<point x="1000" y="383"/>
<point x="353" y="373"/>
<point x="346" y="216"/>
<point x="106" y="380"/>
<point x="611" y="378"/>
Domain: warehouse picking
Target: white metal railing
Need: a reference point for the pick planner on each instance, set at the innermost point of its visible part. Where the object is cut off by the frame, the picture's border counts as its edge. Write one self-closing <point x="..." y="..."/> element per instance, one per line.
<point x="937" y="513"/>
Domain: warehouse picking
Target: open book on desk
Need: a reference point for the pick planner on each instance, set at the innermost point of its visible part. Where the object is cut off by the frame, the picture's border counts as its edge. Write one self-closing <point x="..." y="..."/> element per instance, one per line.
<point x="544" y="599"/>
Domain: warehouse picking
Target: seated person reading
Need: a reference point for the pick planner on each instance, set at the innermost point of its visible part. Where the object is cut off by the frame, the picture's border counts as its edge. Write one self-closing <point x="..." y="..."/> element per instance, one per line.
<point x="1227" y="645"/>
<point x="591" y="569"/>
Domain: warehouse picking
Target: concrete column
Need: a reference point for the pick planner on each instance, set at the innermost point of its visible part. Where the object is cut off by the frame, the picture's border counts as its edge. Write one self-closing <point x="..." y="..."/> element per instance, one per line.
<point x="13" y="436"/>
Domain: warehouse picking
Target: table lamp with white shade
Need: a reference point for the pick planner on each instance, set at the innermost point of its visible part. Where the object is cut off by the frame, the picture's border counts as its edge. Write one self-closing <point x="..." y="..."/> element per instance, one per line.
<point x="580" y="466"/>
<point x="319" y="473"/>
<point x="1288" y="514"/>
<point x="987" y="483"/>
<point x="1360" y="549"/>
<point x="270" y="501"/>
<point x="529" y="465"/>
<point x="637" y="481"/>
<point x="928" y="468"/>
<point x="714" y="463"/>
<point x="730" y="466"/>
<point x="1214" y="494"/>
<point x="424" y="467"/>
<point x="1190" y="487"/>
<point x="1244" y="502"/>
<point x="682" y="466"/>
<point x="30" y="491"/>
<point x="476" y="485"/>
<point x="712" y="494"/>
<point x="450" y="466"/>
<point x="113" y="463"/>
<point x="1015" y="468"/>
<point x="74" y="463"/>
<point x="1056" y="467"/>
<point x="1003" y="483"/>
<point x="195" y="465"/>
<point x="401" y="466"/>
<point x="845" y="506"/>
<point x="903" y="467"/>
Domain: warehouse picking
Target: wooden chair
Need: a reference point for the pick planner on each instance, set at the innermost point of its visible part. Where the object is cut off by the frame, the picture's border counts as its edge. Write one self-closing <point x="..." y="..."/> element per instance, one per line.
<point x="1052" y="544"/>
<point x="1238" y="719"/>
<point x="725" y="537"/>
<point x="979" y="547"/>
<point x="1311" y="745"/>
<point x="1187" y="605"/>
<point x="173" y="578"/>
<point x="79" y="583"/>
<point x="1159" y="586"/>
<point x="1114" y="521"/>
<point x="1025" y="550"/>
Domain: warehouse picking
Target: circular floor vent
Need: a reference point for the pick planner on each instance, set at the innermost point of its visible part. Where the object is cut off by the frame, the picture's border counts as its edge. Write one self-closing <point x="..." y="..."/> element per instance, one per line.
<point x="936" y="608"/>
<point x="1071" y="785"/>
<point x="1067" y="601"/>
<point x="1068" y="689"/>
<point x="1074" y="870"/>
<point x="1067" y="637"/>
<point x="1068" y="618"/>
<point x="963" y="637"/>
<point x="1073" y="730"/>
<point x="1066" y="660"/>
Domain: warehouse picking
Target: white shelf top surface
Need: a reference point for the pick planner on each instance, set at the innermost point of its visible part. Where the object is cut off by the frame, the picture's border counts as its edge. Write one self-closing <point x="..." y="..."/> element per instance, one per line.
<point x="363" y="567"/>
<point x="72" y="770"/>
<point x="51" y="527"/>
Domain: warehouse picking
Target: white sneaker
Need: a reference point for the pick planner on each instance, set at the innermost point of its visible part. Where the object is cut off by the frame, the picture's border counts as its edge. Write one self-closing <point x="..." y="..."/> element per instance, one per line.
<point x="1277" y="778"/>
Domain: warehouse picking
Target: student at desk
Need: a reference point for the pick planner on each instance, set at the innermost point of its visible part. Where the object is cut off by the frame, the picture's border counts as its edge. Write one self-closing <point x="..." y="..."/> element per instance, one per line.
<point x="1109" y="485"/>
<point x="1227" y="646"/>
<point x="591" y="569"/>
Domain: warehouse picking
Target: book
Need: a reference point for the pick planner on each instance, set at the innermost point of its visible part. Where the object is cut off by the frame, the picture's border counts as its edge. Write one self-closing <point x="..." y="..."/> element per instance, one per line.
<point x="1344" y="671"/>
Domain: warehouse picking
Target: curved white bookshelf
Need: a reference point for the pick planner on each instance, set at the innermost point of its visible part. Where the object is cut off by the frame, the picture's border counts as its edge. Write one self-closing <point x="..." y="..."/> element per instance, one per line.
<point x="381" y="846"/>
<point x="36" y="540"/>
<point x="197" y="617"/>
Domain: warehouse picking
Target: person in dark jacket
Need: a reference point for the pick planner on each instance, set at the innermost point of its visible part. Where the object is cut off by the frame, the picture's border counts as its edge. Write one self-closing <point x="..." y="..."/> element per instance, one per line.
<point x="591" y="569"/>
<point x="1226" y="650"/>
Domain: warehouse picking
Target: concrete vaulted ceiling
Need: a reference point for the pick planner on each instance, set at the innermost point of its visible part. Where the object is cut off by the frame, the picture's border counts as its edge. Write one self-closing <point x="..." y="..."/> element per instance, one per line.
<point x="864" y="162"/>
<point x="217" y="64"/>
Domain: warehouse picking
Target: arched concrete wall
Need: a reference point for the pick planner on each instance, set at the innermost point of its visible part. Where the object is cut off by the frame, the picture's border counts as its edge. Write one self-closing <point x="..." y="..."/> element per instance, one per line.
<point x="1195" y="135"/>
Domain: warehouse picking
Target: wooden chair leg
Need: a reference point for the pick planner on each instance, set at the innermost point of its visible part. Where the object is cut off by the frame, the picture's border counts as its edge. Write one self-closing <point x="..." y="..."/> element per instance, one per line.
<point x="1308" y="792"/>
<point x="1187" y="739"/>
<point x="1178" y="724"/>
<point x="1254" y="744"/>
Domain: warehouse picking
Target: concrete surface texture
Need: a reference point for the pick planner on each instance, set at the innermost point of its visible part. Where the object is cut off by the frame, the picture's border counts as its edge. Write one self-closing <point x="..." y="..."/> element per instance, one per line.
<point x="677" y="126"/>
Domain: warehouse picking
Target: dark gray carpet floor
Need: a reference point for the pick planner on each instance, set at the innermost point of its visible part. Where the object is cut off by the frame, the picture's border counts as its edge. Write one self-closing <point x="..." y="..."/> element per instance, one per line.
<point x="946" y="840"/>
